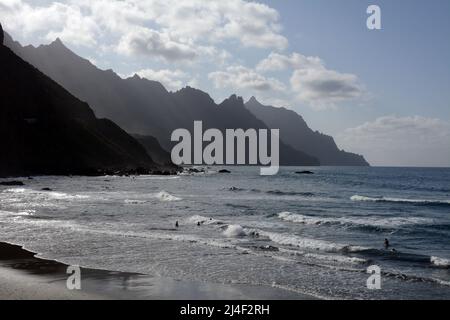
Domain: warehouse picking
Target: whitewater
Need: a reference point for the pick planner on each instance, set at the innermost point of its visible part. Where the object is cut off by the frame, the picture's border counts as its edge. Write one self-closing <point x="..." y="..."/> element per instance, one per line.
<point x="312" y="234"/>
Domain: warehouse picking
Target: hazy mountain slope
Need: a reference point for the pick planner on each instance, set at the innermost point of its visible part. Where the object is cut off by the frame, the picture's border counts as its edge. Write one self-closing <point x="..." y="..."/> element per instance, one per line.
<point x="141" y="106"/>
<point x="46" y="130"/>
<point x="297" y="134"/>
<point x="153" y="148"/>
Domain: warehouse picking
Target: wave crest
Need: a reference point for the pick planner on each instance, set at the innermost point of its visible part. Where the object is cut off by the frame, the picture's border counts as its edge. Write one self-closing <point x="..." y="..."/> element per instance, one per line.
<point x="378" y="222"/>
<point x="165" y="196"/>
<point x="400" y="200"/>
<point x="440" y="262"/>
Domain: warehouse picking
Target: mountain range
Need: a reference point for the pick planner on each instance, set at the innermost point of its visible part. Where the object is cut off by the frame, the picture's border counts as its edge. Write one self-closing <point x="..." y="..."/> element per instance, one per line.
<point x="146" y="109"/>
<point x="296" y="132"/>
<point x="45" y="130"/>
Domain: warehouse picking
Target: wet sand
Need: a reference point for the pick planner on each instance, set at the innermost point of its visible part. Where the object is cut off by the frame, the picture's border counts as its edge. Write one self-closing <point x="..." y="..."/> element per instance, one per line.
<point x="23" y="276"/>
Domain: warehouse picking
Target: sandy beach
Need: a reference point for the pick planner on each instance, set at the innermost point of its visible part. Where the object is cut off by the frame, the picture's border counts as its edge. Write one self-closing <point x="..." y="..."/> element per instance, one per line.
<point x="23" y="276"/>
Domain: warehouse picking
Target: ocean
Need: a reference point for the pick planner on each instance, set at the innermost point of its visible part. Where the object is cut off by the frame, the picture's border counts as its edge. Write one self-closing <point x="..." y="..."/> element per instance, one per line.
<point x="312" y="234"/>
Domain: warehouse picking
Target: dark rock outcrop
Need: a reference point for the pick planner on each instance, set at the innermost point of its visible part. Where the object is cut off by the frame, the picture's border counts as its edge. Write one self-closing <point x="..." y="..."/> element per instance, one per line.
<point x="46" y="130"/>
<point x="304" y="172"/>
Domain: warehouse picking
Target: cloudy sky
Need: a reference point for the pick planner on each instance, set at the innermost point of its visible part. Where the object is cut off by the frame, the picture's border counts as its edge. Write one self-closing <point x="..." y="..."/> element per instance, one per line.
<point x="382" y="93"/>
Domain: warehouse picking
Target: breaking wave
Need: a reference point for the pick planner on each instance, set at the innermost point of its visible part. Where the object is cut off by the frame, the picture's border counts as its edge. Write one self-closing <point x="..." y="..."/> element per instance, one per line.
<point x="165" y="196"/>
<point x="310" y="244"/>
<point x="46" y="194"/>
<point x="440" y="262"/>
<point x="379" y="222"/>
<point x="234" y="231"/>
<point x="202" y="220"/>
<point x="400" y="200"/>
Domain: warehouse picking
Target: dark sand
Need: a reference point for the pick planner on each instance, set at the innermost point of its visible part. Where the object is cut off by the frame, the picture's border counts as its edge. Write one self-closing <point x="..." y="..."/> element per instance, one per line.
<point x="24" y="276"/>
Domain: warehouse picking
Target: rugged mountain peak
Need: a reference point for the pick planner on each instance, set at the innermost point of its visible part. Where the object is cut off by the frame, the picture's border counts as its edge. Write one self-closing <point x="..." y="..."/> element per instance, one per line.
<point x="233" y="100"/>
<point x="1" y="35"/>
<point x="57" y="43"/>
<point x="192" y="91"/>
<point x="58" y="46"/>
<point x="253" y="100"/>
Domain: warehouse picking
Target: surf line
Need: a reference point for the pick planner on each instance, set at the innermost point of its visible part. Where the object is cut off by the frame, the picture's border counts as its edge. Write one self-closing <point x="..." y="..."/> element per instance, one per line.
<point x="235" y="142"/>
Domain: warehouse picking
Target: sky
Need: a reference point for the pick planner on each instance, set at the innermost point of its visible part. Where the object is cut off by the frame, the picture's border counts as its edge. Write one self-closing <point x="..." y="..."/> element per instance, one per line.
<point x="382" y="93"/>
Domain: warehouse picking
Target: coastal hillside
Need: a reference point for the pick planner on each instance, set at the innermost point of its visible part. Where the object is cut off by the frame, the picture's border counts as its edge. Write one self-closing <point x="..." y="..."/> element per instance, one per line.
<point x="46" y="130"/>
<point x="143" y="107"/>
<point x="296" y="132"/>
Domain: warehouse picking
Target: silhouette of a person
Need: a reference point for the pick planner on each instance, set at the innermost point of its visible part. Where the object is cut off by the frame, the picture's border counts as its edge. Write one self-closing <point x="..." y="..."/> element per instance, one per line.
<point x="386" y="243"/>
<point x="176" y="224"/>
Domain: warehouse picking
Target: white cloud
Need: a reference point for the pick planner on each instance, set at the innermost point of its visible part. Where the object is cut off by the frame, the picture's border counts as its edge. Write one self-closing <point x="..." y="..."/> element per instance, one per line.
<point x="313" y="83"/>
<point x="252" y="24"/>
<point x="153" y="43"/>
<point x="276" y="62"/>
<point x="240" y="77"/>
<point x="171" y="79"/>
<point x="169" y="28"/>
<point x="323" y="88"/>
<point x="55" y="20"/>
<point x="187" y="32"/>
<point x="393" y="140"/>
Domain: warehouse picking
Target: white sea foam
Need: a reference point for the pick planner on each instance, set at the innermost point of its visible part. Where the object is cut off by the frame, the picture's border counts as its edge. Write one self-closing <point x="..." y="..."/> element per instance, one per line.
<point x="16" y="190"/>
<point x="234" y="231"/>
<point x="441" y="282"/>
<point x="46" y="194"/>
<point x="165" y="196"/>
<point x="440" y="262"/>
<point x="28" y="212"/>
<point x="363" y="221"/>
<point x="304" y="243"/>
<point x="153" y="177"/>
<point x="399" y="200"/>
<point x="74" y="226"/>
<point x="201" y="219"/>
<point x="336" y="258"/>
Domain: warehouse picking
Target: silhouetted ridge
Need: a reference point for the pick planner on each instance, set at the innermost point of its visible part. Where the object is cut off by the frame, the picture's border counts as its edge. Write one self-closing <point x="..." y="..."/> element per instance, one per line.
<point x="1" y="35"/>
<point x="146" y="108"/>
<point x="46" y="130"/>
<point x="295" y="132"/>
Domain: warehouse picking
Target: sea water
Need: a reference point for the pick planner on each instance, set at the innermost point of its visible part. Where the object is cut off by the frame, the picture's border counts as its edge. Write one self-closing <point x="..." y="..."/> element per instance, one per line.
<point x="314" y="234"/>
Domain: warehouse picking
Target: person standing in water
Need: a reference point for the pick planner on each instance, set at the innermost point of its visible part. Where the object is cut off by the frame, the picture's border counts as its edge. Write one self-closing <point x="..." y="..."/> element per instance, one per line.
<point x="386" y="243"/>
<point x="176" y="224"/>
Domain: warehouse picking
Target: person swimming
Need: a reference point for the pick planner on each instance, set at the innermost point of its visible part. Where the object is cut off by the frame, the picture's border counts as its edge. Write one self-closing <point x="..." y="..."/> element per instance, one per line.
<point x="386" y="243"/>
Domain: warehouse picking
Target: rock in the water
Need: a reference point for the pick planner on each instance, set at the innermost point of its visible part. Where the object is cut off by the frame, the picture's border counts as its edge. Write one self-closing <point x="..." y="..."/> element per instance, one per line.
<point x="11" y="183"/>
<point x="304" y="172"/>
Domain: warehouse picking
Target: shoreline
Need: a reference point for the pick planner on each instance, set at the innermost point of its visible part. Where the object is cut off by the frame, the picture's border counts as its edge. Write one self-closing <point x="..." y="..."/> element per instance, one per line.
<point x="23" y="276"/>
